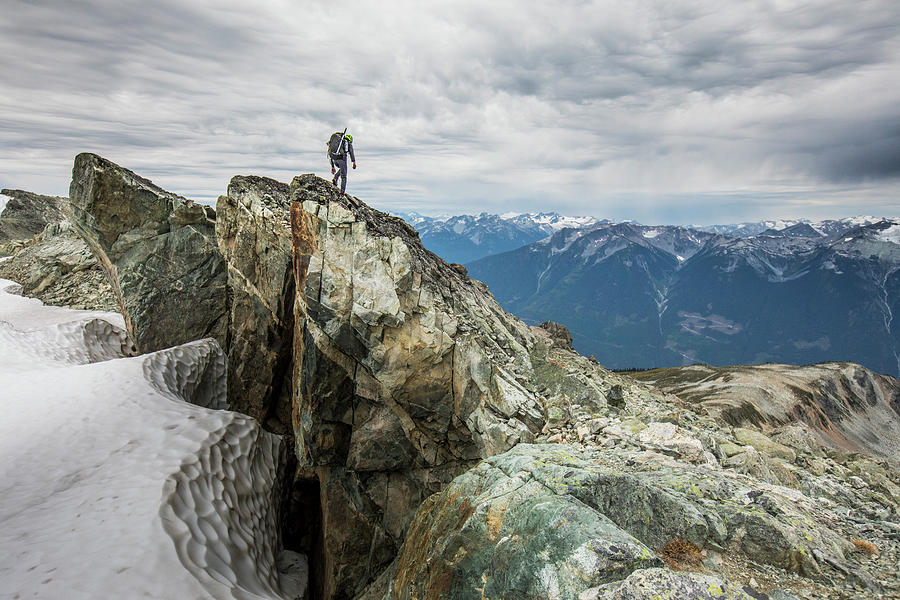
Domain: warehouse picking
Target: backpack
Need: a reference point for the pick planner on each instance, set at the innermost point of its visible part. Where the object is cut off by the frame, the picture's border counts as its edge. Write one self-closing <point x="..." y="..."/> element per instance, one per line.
<point x="336" y="145"/>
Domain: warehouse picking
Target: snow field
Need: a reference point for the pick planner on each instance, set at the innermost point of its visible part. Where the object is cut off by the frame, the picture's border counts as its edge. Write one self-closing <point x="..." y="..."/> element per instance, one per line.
<point x="112" y="484"/>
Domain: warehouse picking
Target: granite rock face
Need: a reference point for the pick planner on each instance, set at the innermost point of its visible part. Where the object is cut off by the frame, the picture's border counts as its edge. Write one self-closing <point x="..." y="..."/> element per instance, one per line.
<point x="253" y="231"/>
<point x="158" y="250"/>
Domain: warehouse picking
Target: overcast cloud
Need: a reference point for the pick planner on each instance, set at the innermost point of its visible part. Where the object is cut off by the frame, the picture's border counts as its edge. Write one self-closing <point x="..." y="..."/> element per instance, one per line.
<point x="663" y="111"/>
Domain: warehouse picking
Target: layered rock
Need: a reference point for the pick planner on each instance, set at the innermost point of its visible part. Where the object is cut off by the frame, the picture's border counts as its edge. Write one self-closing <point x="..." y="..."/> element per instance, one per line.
<point x="158" y="250"/>
<point x="253" y="231"/>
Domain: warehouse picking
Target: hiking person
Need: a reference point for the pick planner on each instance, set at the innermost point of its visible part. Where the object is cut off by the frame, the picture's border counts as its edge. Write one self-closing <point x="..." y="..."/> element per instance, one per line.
<point x="339" y="146"/>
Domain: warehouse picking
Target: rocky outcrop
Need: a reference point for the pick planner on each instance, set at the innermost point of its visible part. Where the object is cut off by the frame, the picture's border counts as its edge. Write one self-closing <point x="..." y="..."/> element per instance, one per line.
<point x="26" y="215"/>
<point x="406" y="373"/>
<point x="560" y="333"/>
<point x="253" y="231"/>
<point x="158" y="250"/>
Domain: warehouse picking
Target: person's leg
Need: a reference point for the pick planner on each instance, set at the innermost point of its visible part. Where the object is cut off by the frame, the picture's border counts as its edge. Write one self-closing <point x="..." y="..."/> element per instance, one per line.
<point x="343" y="167"/>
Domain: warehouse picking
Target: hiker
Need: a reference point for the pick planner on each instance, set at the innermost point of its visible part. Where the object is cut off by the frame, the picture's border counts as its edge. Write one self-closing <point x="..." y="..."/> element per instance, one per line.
<point x="338" y="147"/>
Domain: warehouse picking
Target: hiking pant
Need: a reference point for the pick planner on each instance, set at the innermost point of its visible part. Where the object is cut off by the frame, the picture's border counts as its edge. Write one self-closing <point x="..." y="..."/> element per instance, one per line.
<point x="341" y="165"/>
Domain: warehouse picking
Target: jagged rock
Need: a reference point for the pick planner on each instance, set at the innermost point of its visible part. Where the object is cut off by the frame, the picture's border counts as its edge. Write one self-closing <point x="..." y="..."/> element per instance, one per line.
<point x="26" y="215"/>
<point x="253" y="230"/>
<point x="459" y="268"/>
<point x="406" y="373"/>
<point x="159" y="253"/>
<point x="58" y="268"/>
<point x="559" y="333"/>
<point x="506" y="510"/>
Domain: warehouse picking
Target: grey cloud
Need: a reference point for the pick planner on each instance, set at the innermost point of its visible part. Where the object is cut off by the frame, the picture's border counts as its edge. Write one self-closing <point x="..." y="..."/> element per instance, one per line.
<point x="872" y="152"/>
<point x="575" y="104"/>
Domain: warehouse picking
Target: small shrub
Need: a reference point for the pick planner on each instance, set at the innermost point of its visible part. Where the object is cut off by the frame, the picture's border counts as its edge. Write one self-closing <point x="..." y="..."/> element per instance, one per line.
<point x="681" y="555"/>
<point x="865" y="547"/>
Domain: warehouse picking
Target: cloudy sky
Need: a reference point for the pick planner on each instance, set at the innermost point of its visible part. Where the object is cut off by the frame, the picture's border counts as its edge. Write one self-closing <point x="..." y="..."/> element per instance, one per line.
<point x="662" y="111"/>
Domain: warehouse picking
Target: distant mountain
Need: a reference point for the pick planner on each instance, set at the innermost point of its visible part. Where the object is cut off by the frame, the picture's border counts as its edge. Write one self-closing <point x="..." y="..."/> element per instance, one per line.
<point x="464" y="238"/>
<point x="655" y="296"/>
<point x="824" y="228"/>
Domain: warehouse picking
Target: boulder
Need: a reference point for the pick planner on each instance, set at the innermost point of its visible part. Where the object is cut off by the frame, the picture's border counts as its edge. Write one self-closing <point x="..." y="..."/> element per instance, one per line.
<point x="253" y="231"/>
<point x="671" y="438"/>
<point x="506" y="530"/>
<point x="158" y="251"/>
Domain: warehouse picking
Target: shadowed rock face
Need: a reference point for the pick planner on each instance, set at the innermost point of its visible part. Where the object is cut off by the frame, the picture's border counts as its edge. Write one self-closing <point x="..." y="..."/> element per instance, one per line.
<point x="253" y="230"/>
<point x="48" y="256"/>
<point x="158" y="250"/>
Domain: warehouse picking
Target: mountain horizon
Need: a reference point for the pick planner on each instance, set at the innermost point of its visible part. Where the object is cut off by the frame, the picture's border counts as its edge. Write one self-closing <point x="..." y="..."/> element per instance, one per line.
<point x="652" y="296"/>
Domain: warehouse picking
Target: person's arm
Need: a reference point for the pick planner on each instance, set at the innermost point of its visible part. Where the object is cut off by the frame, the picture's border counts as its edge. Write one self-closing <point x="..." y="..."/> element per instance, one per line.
<point x="352" y="156"/>
<point x="331" y="160"/>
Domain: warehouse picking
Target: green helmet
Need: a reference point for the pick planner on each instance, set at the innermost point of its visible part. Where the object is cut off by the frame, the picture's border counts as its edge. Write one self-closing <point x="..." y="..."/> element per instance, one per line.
<point x="349" y="138"/>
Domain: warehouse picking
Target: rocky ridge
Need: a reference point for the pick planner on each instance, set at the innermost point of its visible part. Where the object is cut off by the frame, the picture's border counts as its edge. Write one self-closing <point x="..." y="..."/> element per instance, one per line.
<point x="47" y="256"/>
<point x="443" y="447"/>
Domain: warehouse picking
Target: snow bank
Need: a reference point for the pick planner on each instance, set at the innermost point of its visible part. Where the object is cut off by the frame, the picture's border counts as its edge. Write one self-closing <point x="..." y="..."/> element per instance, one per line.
<point x="111" y="485"/>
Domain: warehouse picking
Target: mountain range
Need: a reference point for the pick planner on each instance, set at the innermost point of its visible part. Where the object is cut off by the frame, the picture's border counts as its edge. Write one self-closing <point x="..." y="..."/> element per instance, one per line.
<point x="464" y="238"/>
<point x="641" y="296"/>
<point x="814" y="228"/>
